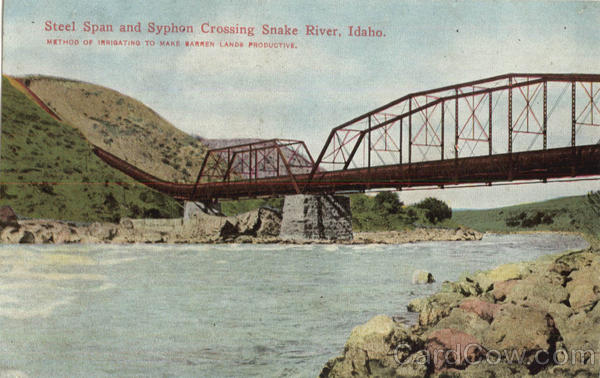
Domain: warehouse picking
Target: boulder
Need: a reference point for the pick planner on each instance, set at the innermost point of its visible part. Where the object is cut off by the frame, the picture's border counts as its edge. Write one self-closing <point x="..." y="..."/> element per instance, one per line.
<point x="27" y="238"/>
<point x="103" y="231"/>
<point x="450" y="348"/>
<point x="437" y="306"/>
<point x="502" y="288"/>
<point x="270" y="223"/>
<point x="501" y="273"/>
<point x="422" y="277"/>
<point x="126" y="223"/>
<point x="8" y="218"/>
<point x="485" y="310"/>
<point x="11" y="235"/>
<point x="228" y="231"/>
<point x="544" y="286"/>
<point x="580" y="335"/>
<point x="493" y="369"/>
<point x="522" y="330"/>
<point x="262" y="222"/>
<point x="248" y="223"/>
<point x="378" y="347"/>
<point x="463" y="287"/>
<point x="584" y="286"/>
<point x="465" y="321"/>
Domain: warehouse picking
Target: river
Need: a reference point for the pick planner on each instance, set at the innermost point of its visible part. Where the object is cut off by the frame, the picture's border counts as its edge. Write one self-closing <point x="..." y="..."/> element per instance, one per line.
<point x="217" y="310"/>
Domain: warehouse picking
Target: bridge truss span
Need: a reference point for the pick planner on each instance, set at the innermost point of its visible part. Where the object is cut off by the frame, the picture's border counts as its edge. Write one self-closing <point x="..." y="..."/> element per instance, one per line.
<point x="509" y="127"/>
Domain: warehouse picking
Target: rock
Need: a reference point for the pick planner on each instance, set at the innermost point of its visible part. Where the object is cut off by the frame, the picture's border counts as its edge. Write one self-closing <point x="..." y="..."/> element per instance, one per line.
<point x="371" y="336"/>
<point x="462" y="287"/>
<point x="493" y="369"/>
<point x="270" y="223"/>
<point x="228" y="231"/>
<point x="103" y="231"/>
<point x="262" y="222"/>
<point x="378" y="347"/>
<point x="248" y="223"/>
<point x="126" y="223"/>
<point x="465" y="321"/>
<point x="11" y="235"/>
<point x="522" y="330"/>
<point x="544" y="286"/>
<point x="502" y="288"/>
<point x="450" y="348"/>
<point x="580" y="334"/>
<point x="27" y="238"/>
<point x="485" y="310"/>
<point x="584" y="286"/>
<point x="8" y="218"/>
<point x="501" y="273"/>
<point x="417" y="304"/>
<point x="422" y="277"/>
<point x="438" y="306"/>
<point x="414" y="366"/>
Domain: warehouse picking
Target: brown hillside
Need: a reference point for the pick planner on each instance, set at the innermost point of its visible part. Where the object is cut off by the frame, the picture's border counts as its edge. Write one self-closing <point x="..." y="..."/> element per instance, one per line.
<point x="122" y="126"/>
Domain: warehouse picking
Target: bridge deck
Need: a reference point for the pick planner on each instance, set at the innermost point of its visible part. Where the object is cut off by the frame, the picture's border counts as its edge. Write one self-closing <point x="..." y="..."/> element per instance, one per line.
<point x="529" y="165"/>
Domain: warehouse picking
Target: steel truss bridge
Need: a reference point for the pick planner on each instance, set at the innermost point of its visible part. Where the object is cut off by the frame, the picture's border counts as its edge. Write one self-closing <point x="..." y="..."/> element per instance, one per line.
<point x="506" y="128"/>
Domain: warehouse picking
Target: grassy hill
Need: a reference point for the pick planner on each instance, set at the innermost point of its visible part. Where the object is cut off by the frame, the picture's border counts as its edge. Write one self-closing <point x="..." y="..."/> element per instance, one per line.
<point x="561" y="214"/>
<point x="122" y="126"/>
<point x="48" y="170"/>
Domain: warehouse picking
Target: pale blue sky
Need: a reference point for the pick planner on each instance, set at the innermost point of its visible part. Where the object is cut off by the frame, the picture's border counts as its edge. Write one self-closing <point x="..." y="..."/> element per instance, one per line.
<point x="303" y="93"/>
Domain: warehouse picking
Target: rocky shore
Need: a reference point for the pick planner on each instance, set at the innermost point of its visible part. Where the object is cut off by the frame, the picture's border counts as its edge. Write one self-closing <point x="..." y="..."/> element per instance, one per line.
<point x="538" y="318"/>
<point x="258" y="226"/>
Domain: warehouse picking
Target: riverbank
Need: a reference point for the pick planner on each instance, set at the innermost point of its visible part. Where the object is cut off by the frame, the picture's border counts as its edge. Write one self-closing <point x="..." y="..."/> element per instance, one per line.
<point x="537" y="318"/>
<point x="260" y="226"/>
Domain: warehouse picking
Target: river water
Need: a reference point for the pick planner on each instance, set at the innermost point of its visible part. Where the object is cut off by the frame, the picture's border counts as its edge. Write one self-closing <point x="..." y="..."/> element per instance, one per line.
<point x="217" y="310"/>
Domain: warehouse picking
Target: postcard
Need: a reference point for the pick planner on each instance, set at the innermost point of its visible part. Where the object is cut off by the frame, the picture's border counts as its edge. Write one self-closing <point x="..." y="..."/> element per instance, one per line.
<point x="300" y="188"/>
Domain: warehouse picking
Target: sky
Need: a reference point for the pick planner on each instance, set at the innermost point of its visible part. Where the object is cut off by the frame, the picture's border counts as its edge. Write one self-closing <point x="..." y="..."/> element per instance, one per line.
<point x="302" y="93"/>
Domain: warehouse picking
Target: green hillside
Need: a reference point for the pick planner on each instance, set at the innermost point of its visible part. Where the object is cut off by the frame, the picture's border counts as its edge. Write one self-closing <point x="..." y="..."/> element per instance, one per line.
<point x="561" y="214"/>
<point x="48" y="170"/>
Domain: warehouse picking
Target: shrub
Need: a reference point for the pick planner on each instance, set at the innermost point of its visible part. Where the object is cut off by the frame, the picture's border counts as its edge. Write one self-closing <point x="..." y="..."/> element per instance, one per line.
<point x="436" y="210"/>
<point x="388" y="202"/>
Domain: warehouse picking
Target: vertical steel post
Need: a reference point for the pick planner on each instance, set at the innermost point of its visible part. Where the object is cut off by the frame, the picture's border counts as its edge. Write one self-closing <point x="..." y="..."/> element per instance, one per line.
<point x="250" y="165"/>
<point x="573" y="116"/>
<point x="400" y="144"/>
<point x="490" y="123"/>
<point x="545" y="125"/>
<point x="229" y="161"/>
<point x="456" y="126"/>
<point x="410" y="130"/>
<point x="442" y="125"/>
<point x="255" y="164"/>
<point x="369" y="140"/>
<point x="510" y="125"/>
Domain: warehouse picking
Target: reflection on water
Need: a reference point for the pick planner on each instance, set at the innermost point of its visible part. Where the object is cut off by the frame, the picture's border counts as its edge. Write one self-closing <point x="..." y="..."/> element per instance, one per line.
<point x="216" y="310"/>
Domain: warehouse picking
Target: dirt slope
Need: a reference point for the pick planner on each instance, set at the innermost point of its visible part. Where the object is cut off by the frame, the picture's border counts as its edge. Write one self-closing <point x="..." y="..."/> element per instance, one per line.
<point x="122" y="126"/>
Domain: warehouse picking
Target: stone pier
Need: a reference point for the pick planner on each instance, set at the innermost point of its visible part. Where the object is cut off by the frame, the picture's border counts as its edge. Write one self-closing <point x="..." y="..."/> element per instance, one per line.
<point x="316" y="217"/>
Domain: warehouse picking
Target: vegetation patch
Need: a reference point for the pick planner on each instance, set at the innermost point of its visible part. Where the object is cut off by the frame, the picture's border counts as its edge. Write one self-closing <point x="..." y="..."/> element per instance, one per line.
<point x="41" y="178"/>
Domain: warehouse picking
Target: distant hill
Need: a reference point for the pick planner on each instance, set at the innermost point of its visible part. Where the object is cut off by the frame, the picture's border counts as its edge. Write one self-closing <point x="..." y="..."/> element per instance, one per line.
<point x="561" y="214"/>
<point x="122" y="126"/>
<point x="48" y="169"/>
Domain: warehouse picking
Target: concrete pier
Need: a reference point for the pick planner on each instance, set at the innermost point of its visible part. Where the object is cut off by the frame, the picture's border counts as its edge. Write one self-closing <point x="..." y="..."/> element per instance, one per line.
<point x="325" y="217"/>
